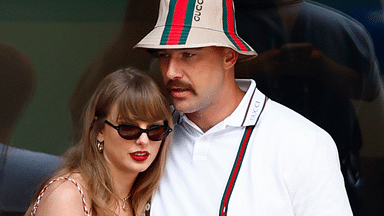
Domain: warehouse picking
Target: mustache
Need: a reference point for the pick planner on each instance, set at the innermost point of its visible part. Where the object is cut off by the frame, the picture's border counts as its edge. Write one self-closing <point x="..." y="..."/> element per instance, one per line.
<point x="179" y="84"/>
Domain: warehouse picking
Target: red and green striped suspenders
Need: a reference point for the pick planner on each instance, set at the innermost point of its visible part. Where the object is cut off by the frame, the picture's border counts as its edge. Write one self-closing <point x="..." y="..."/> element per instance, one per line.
<point x="235" y="170"/>
<point x="237" y="165"/>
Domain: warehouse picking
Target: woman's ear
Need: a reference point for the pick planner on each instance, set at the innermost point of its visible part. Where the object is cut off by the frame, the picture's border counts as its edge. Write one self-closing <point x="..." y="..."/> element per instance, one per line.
<point x="100" y="135"/>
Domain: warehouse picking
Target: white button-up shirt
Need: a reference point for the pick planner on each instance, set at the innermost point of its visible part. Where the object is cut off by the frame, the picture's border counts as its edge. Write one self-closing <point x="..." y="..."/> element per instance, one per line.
<point x="290" y="168"/>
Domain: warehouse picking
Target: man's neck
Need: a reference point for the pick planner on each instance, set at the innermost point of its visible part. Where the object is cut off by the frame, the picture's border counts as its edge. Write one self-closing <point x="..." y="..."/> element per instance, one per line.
<point x="208" y="117"/>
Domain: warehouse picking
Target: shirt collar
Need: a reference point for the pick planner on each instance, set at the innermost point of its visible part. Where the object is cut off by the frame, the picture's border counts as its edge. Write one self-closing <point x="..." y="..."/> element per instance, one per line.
<point x="249" y="109"/>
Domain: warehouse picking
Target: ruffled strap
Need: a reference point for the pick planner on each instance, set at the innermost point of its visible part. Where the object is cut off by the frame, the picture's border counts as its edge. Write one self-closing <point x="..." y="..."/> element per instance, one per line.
<point x="37" y="202"/>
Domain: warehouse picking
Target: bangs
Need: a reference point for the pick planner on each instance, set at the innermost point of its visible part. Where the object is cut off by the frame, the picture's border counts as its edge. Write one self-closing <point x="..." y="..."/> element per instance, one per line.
<point x="144" y="104"/>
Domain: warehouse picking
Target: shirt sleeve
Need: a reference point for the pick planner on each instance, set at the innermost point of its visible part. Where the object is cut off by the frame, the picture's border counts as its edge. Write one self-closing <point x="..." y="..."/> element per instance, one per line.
<point x="316" y="184"/>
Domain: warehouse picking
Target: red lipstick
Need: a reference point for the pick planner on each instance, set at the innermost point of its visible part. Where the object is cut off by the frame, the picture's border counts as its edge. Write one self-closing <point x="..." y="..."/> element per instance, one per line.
<point x="140" y="155"/>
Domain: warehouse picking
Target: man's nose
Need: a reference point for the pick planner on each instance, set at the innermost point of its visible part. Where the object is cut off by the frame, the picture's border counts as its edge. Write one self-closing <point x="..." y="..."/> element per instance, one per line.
<point x="173" y="69"/>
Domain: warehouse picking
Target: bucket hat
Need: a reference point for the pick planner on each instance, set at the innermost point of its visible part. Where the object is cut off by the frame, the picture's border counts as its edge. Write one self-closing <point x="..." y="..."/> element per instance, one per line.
<point x="196" y="23"/>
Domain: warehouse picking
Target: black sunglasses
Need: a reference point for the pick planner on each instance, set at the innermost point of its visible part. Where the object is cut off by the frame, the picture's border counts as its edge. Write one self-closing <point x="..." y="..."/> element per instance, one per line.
<point x="131" y="132"/>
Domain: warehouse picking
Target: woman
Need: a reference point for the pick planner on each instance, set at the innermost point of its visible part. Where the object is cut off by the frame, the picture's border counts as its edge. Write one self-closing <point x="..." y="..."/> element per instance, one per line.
<point x="118" y="162"/>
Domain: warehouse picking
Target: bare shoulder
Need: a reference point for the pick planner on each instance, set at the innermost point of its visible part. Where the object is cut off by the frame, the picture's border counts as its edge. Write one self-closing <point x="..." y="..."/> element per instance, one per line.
<point x="62" y="197"/>
<point x="81" y="181"/>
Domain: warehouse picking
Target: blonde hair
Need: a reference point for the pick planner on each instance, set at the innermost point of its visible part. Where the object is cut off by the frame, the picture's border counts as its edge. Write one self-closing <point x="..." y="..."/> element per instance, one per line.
<point x="137" y="98"/>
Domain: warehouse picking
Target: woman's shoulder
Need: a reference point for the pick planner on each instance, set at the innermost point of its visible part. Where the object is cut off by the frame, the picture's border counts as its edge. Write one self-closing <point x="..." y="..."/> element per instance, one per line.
<point x="63" y="196"/>
<point x="63" y="188"/>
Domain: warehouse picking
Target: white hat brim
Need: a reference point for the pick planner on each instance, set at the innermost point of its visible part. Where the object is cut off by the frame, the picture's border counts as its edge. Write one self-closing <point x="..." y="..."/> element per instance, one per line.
<point x="195" y="38"/>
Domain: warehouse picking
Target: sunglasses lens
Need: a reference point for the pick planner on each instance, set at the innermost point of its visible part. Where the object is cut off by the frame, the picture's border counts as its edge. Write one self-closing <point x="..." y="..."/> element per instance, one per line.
<point x="157" y="133"/>
<point x="129" y="132"/>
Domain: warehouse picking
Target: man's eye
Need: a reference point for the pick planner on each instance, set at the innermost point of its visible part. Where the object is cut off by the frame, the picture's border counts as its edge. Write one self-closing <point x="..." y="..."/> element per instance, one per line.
<point x="188" y="54"/>
<point x="162" y="55"/>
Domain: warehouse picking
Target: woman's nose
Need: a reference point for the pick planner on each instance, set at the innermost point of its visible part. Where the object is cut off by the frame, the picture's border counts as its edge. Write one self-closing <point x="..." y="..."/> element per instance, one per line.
<point x="143" y="139"/>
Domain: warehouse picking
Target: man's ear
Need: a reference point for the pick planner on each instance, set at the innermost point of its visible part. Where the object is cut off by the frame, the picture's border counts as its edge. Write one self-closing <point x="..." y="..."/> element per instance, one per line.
<point x="230" y="57"/>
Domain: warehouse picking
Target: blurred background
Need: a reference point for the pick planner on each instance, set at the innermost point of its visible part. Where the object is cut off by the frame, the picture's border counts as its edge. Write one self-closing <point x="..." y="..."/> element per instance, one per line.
<point x="61" y="38"/>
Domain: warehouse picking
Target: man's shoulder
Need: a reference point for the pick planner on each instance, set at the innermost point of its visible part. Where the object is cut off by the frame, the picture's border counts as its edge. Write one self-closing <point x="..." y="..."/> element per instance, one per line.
<point x="282" y="128"/>
<point x="282" y="118"/>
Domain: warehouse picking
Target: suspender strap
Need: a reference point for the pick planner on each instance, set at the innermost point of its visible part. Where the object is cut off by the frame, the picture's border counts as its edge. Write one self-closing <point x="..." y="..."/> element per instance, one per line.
<point x="235" y="170"/>
<point x="237" y="165"/>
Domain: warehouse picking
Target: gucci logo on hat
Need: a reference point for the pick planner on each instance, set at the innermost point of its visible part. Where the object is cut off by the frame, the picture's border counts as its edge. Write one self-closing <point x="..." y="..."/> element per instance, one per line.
<point x="196" y="23"/>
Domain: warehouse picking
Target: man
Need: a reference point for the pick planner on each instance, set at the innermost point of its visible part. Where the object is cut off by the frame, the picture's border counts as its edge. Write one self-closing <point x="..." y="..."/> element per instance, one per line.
<point x="234" y="151"/>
